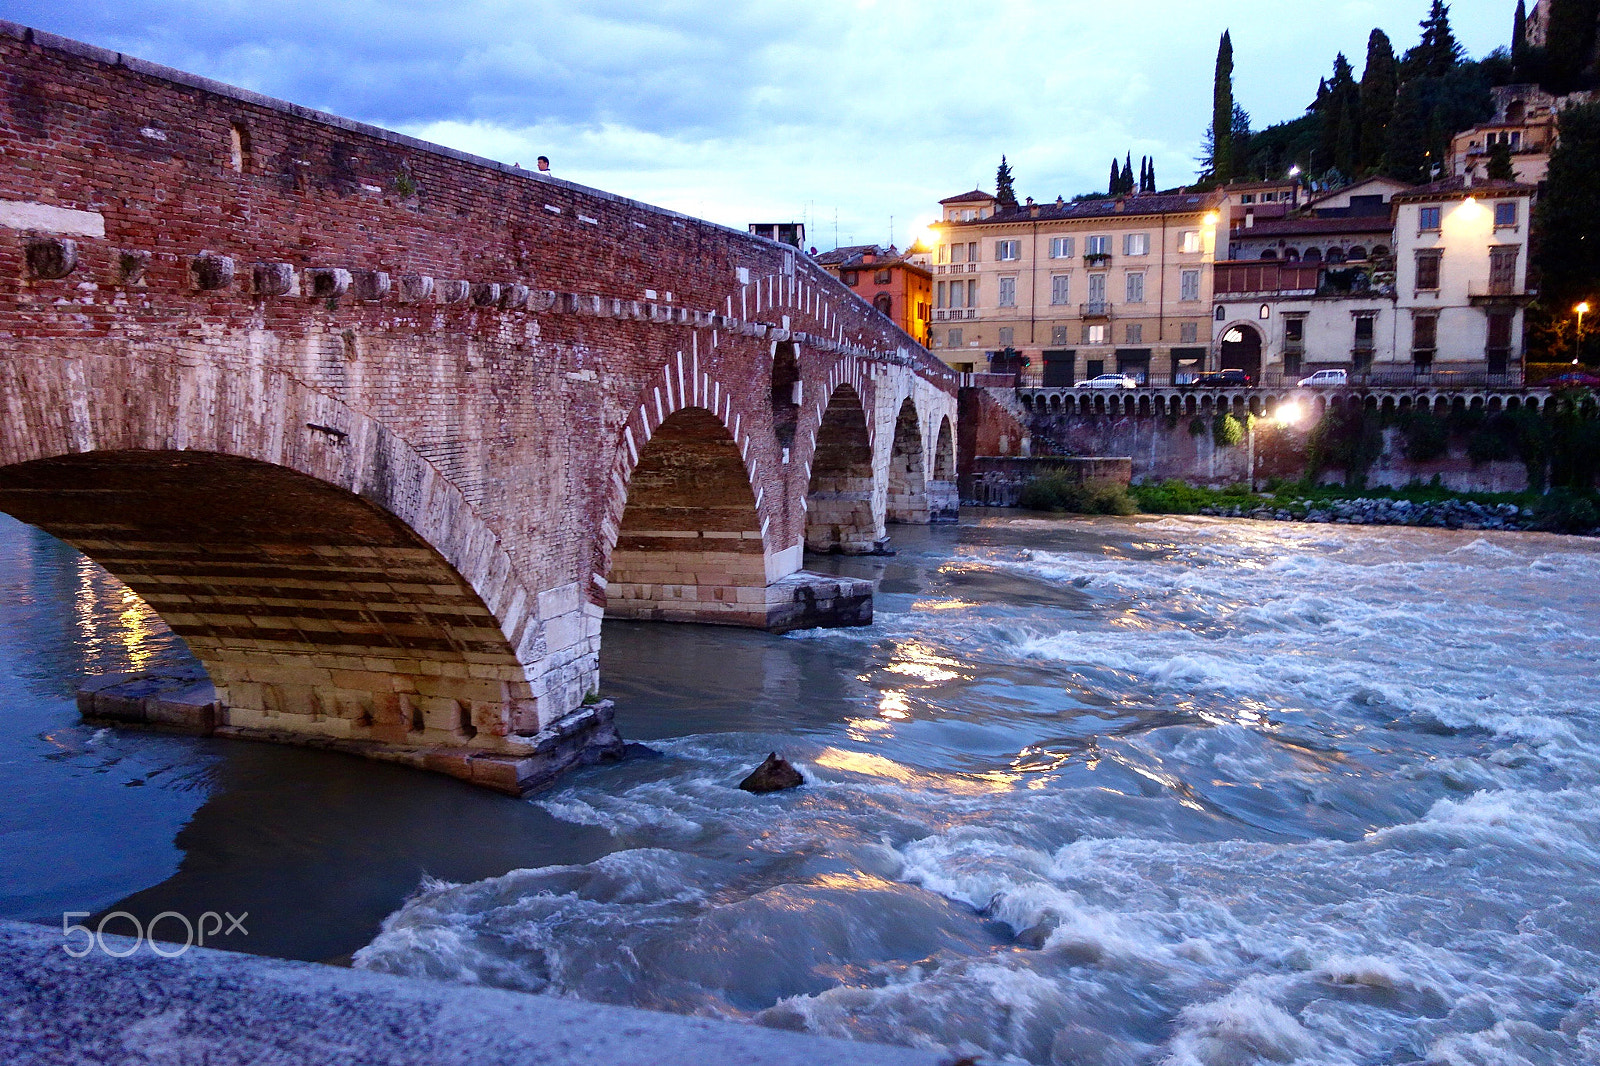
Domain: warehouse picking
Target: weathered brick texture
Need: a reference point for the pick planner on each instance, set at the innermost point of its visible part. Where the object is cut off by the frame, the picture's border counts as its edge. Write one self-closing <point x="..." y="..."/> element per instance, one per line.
<point x="383" y="429"/>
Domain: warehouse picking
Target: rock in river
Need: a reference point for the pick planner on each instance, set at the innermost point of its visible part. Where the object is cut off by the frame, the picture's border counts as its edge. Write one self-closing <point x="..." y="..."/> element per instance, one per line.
<point x="774" y="775"/>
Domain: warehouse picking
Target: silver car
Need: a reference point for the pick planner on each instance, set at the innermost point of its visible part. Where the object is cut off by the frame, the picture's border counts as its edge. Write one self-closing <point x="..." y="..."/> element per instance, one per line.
<point x="1108" y="381"/>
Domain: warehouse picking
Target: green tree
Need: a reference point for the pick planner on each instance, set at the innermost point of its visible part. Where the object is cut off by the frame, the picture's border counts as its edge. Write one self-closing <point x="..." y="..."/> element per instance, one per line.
<point x="1519" y="39"/>
<point x="1499" y="167"/>
<point x="1439" y="52"/>
<point x="1004" y="191"/>
<point x="1125" y="182"/>
<point x="1116" y="178"/>
<point x="1568" y="214"/>
<point x="1569" y="48"/>
<point x="1150" y="175"/>
<point x="1222" y="157"/>
<point x="1380" y="83"/>
<point x="1407" y="158"/>
<point x="1340" y="98"/>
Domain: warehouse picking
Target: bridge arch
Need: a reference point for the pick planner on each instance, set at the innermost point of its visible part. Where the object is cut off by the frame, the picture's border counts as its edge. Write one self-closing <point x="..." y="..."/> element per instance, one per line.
<point x="908" y="480"/>
<point x="839" y="493"/>
<point x="329" y="579"/>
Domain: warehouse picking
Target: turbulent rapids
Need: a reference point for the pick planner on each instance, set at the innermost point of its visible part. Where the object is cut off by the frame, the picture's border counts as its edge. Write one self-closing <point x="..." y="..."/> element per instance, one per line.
<point x="1090" y="791"/>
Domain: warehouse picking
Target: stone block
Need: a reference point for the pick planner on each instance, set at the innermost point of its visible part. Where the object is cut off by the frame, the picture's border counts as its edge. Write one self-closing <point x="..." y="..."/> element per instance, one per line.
<point x="485" y="294"/>
<point x="454" y="292"/>
<point x="211" y="271"/>
<point x="514" y="297"/>
<point x="326" y="283"/>
<point x="51" y="258"/>
<point x="413" y="288"/>
<point x="272" y="279"/>
<point x="131" y="266"/>
<point x="369" y="285"/>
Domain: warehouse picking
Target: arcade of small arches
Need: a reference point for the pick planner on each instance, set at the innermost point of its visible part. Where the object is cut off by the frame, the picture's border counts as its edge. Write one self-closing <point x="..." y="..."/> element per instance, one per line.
<point x="1160" y="403"/>
<point x="1333" y="256"/>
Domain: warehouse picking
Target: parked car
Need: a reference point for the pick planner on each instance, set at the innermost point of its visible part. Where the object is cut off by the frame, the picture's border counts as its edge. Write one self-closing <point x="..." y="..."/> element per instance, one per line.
<point x="1231" y="379"/>
<point x="1572" y="379"/>
<point x="1323" y="379"/>
<point x="1108" y="381"/>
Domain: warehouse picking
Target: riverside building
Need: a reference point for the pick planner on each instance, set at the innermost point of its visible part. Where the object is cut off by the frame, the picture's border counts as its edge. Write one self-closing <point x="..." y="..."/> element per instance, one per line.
<point x="1076" y="288"/>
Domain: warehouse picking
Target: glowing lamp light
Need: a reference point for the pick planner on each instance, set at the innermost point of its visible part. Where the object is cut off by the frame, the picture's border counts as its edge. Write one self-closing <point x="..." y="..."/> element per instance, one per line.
<point x="1582" y="308"/>
<point x="1289" y="413"/>
<point x="1211" y="218"/>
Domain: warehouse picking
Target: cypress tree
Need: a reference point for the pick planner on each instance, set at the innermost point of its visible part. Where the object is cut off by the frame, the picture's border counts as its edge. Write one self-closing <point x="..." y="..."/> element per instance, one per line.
<point x="1125" y="183"/>
<point x="1408" y="135"/>
<point x="1519" y="41"/>
<point x="1116" y="178"/>
<point x="1222" y="161"/>
<point x="1348" y="156"/>
<point x="1336" y="110"/>
<point x="1439" y="52"/>
<point x="1004" y="191"/>
<point x="1379" y="84"/>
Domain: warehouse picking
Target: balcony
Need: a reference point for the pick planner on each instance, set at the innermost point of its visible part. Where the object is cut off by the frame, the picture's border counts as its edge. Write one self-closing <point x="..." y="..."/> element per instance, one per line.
<point x="956" y="314"/>
<point x="1266" y="277"/>
<point x="1498" y="291"/>
<point x="1097" y="259"/>
<point x="1095" y="309"/>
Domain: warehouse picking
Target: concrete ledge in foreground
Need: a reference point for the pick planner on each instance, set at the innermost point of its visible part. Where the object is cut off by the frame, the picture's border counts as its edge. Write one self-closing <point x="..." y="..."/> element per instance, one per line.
<point x="221" y="1009"/>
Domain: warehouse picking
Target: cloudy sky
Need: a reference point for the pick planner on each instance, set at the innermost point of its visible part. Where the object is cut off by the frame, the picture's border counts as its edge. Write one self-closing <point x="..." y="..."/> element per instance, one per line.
<point x="855" y="110"/>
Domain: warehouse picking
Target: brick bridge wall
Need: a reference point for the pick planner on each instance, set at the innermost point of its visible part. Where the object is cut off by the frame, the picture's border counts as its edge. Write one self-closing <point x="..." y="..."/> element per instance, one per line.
<point x="382" y="429"/>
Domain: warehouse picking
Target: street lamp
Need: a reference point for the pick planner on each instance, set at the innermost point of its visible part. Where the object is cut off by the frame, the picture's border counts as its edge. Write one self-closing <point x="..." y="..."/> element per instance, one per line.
<point x="1288" y="413"/>
<point x="1577" y="341"/>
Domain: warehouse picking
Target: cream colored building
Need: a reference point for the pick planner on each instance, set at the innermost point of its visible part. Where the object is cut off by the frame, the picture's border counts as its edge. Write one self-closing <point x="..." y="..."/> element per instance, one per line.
<point x="1077" y="288"/>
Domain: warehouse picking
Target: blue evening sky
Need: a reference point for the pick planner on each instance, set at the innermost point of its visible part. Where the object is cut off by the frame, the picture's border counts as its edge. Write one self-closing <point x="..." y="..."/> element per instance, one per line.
<point x="737" y="112"/>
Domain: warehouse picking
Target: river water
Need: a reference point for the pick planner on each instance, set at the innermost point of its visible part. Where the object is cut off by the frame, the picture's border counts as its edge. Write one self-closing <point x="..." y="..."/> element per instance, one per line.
<point x="1104" y="791"/>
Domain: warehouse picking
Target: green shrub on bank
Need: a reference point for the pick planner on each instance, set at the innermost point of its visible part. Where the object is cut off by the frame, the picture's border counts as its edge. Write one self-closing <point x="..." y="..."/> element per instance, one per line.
<point x="1061" y="492"/>
<point x="1563" y="511"/>
<point x="1226" y="430"/>
<point x="1172" y="497"/>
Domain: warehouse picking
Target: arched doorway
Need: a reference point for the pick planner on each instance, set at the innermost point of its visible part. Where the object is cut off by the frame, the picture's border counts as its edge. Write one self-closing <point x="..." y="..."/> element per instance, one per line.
<point x="1241" y="350"/>
<point x="908" y="481"/>
<point x="839" y="497"/>
<point x="944" y="499"/>
<point x="690" y="537"/>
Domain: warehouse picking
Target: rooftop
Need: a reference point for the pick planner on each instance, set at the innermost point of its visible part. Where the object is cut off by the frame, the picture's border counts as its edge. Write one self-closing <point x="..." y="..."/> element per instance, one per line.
<point x="967" y="197"/>
<point x="1459" y="189"/>
<point x="1131" y="206"/>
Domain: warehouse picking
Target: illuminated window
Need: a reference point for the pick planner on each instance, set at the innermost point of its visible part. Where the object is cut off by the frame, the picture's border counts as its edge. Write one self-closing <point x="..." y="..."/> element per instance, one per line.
<point x="1428" y="218"/>
<point x="1136" y="244"/>
<point x="1096" y="334"/>
<point x="1189" y="241"/>
<point x="1265" y="312"/>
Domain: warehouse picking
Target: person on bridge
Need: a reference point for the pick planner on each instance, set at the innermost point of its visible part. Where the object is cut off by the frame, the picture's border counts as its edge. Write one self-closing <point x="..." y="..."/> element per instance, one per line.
<point x="544" y="164"/>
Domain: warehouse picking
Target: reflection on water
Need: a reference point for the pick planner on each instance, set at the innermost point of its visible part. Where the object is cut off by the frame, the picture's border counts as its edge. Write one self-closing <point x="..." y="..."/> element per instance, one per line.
<point x="1089" y="791"/>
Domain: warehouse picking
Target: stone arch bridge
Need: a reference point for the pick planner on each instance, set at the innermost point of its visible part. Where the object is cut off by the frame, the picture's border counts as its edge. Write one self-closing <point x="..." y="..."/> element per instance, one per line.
<point x="383" y="430"/>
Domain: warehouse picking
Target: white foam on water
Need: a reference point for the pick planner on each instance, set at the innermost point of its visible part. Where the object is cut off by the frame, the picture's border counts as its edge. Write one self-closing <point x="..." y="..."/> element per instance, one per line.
<point x="1344" y="808"/>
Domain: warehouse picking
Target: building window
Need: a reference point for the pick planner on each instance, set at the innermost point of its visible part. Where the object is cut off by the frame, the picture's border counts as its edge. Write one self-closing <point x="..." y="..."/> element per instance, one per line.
<point x="1361" y="351"/>
<point x="1061" y="247"/>
<point x="1428" y="218"/>
<point x="1006" y="251"/>
<point x="958" y="253"/>
<point x="953" y="339"/>
<point x="972" y="294"/>
<point x="1189" y="285"/>
<point x="851" y="278"/>
<point x="1058" y="334"/>
<point x="1060" y="289"/>
<point x="1135" y="333"/>
<point x="1505" y="215"/>
<point x="1006" y="336"/>
<point x="1222" y="313"/>
<point x="967" y="216"/>
<point x="1135" y="288"/>
<point x="1424" y="341"/>
<point x="1136" y="244"/>
<point x="940" y="295"/>
<point x="1294" y="343"/>
<point x="881" y="278"/>
<point x="958" y="292"/>
<point x="942" y="255"/>
<point x="1189" y="241"/>
<point x="1265" y="312"/>
<point x="1188" y="332"/>
<point x="883" y="303"/>
<point x="1096" y="334"/>
<point x="1248" y="198"/>
<point x="1428" y="271"/>
<point x="1100" y="245"/>
<point x="972" y="252"/>
<point x="1008" y="292"/>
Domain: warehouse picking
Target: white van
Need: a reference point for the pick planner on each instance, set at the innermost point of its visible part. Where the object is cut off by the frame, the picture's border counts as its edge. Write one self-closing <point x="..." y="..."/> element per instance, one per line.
<point x="1326" y="379"/>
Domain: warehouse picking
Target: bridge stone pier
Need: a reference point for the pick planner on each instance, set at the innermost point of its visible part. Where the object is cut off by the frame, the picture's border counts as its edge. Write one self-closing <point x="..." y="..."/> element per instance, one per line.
<point x="384" y="430"/>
